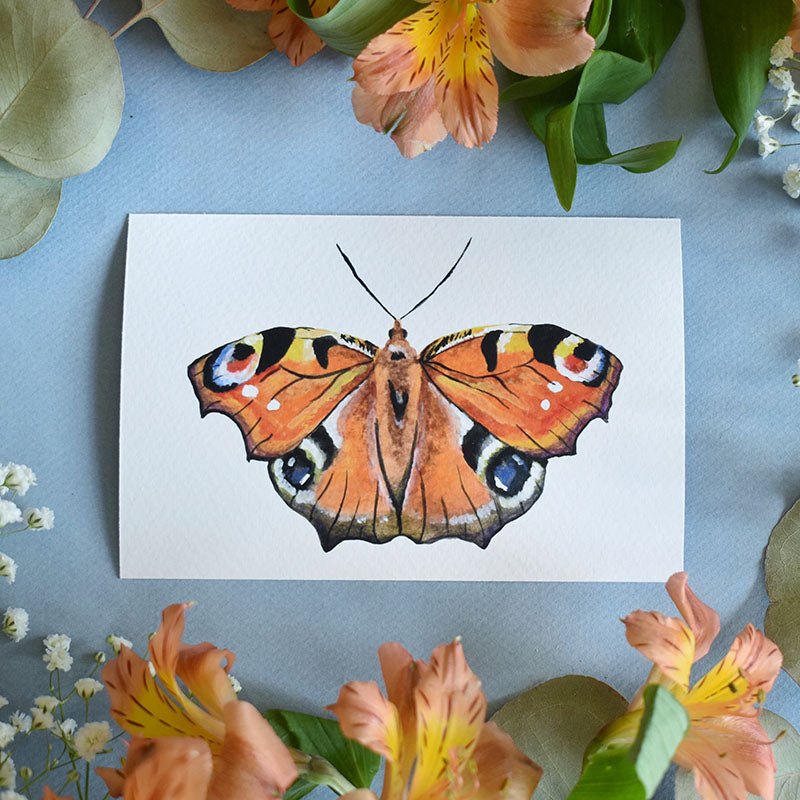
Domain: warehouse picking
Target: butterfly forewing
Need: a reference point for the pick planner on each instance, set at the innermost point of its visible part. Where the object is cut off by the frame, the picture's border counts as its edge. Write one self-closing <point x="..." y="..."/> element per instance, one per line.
<point x="534" y="387"/>
<point x="278" y="385"/>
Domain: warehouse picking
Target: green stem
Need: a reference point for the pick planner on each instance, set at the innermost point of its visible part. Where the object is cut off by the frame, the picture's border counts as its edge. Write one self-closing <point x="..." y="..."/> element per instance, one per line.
<point x="322" y="773"/>
<point x="21" y="530"/>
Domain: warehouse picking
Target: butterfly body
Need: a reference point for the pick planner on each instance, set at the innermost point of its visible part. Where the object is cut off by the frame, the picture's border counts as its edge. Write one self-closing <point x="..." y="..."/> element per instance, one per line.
<point x="372" y="443"/>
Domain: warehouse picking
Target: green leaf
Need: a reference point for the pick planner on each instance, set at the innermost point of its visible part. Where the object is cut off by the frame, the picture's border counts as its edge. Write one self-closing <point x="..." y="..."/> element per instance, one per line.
<point x="324" y="738"/>
<point x="27" y="207"/>
<point x="787" y="755"/>
<point x="782" y="623"/>
<point x="210" y="34"/>
<point x="644" y="30"/>
<point x="616" y="771"/>
<point x="554" y="722"/>
<point x="61" y="91"/>
<point x="350" y="24"/>
<point x="739" y="35"/>
<point x="646" y="158"/>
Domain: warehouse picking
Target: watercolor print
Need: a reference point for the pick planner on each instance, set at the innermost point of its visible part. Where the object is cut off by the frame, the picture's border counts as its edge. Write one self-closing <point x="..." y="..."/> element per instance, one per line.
<point x="371" y="442"/>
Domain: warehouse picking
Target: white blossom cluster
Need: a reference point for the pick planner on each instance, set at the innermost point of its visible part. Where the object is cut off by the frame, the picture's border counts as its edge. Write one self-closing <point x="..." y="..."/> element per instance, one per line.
<point x="780" y="76"/>
<point x="48" y="717"/>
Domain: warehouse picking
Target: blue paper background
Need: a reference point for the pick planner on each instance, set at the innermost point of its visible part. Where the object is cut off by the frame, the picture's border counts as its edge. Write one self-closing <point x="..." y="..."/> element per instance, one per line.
<point x="274" y="139"/>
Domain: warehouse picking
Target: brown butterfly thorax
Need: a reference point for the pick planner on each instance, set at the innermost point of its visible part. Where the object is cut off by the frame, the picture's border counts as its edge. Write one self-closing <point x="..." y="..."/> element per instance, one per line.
<point x="398" y="376"/>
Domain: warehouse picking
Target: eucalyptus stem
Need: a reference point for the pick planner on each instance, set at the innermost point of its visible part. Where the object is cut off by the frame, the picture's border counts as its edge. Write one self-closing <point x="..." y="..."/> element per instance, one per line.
<point x="91" y="9"/>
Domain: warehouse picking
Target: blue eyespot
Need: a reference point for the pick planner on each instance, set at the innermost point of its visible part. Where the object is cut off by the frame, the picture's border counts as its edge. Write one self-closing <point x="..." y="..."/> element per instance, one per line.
<point x="298" y="469"/>
<point x="507" y="472"/>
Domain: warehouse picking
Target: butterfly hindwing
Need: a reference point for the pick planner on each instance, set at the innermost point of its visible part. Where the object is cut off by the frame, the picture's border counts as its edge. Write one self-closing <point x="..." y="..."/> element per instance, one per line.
<point x="534" y="387"/>
<point x="462" y="481"/>
<point x="278" y="385"/>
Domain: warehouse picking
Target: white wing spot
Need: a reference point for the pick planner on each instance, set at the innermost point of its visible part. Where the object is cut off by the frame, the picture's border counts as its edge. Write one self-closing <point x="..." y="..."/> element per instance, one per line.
<point x="249" y="390"/>
<point x="273" y="405"/>
<point x="545" y="404"/>
<point x="554" y="386"/>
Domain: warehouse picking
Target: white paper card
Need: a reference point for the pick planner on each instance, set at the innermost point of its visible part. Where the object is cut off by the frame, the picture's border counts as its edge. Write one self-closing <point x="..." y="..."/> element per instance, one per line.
<point x="192" y="506"/>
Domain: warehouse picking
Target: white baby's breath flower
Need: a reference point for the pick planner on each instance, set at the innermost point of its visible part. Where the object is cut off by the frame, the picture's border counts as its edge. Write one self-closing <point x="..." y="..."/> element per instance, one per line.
<point x="91" y="739"/>
<point x="791" y="99"/>
<point x="57" y="641"/>
<point x="781" y="78"/>
<point x="796" y="122"/>
<point x="7" y="734"/>
<point x="9" y="513"/>
<point x="4" y="470"/>
<point x="87" y="687"/>
<point x="15" y="623"/>
<point x="46" y="702"/>
<point x="763" y="123"/>
<point x="117" y="642"/>
<point x="66" y="728"/>
<point x="22" y="722"/>
<point x="8" y="795"/>
<point x="58" y="659"/>
<point x="41" y="720"/>
<point x="3" y="702"/>
<point x="19" y="478"/>
<point x="8" y="568"/>
<point x="781" y="51"/>
<point x="237" y="687"/>
<point x="40" y="519"/>
<point x="767" y="145"/>
<point x="791" y="181"/>
<point x="8" y="775"/>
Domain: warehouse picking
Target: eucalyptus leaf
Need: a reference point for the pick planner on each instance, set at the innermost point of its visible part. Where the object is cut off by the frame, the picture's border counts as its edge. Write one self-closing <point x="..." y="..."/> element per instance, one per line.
<point x="786" y="750"/>
<point x="350" y="24"/>
<point x="613" y="771"/>
<point x="27" y="207"/>
<point x="61" y="91"/>
<point x="324" y="738"/>
<point x="210" y="34"/>
<point x="739" y="35"/>
<point x="782" y="623"/>
<point x="554" y="722"/>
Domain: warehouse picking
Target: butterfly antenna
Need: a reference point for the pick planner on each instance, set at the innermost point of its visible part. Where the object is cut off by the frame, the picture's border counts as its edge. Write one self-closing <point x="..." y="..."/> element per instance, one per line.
<point x="431" y="293"/>
<point x="358" y="278"/>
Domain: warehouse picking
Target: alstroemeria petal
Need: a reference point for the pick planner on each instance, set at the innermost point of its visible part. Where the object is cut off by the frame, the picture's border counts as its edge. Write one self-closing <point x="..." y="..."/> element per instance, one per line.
<point x="200" y="668"/>
<point x="421" y="127"/>
<point x="166" y="643"/>
<point x="504" y="771"/>
<point x="380" y="111"/>
<point x="368" y="717"/>
<point x="253" y="762"/>
<point x="451" y="708"/>
<point x="465" y="85"/>
<point x="178" y="769"/>
<point x="666" y="641"/>
<point x="406" y="56"/>
<point x="794" y="30"/>
<point x="142" y="708"/>
<point x="539" y="38"/>
<point x="49" y="794"/>
<point x="702" y="619"/>
<point x="730" y="756"/>
<point x="292" y="36"/>
<point x="741" y="679"/>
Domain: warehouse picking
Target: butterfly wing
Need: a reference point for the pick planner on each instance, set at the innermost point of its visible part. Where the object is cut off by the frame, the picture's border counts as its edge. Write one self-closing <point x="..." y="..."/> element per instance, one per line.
<point x="336" y="477"/>
<point x="534" y="387"/>
<point x="278" y="385"/>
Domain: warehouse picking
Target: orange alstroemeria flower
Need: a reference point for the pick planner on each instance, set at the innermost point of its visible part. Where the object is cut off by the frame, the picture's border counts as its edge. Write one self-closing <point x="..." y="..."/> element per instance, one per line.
<point x="430" y="728"/>
<point x="49" y="794"/>
<point x="725" y="747"/>
<point x="216" y="748"/>
<point x="289" y="33"/>
<point x="431" y="73"/>
<point x="794" y="30"/>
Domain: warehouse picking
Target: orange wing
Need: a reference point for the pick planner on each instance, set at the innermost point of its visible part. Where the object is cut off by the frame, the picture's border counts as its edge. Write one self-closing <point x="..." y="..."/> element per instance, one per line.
<point x="278" y="385"/>
<point x="462" y="481"/>
<point x="534" y="387"/>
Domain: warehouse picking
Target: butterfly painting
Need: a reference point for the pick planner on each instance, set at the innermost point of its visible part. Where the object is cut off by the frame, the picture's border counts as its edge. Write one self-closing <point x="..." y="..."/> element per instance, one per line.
<point x="372" y="442"/>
